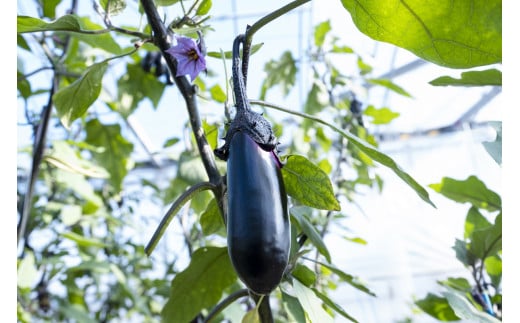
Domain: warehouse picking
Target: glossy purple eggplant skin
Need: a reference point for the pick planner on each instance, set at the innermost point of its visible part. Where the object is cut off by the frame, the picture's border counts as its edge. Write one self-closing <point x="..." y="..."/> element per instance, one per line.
<point x="258" y="229"/>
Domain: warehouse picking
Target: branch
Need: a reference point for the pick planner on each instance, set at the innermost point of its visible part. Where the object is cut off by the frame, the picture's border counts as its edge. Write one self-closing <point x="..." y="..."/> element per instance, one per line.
<point x="225" y="303"/>
<point x="39" y="144"/>
<point x="162" y="39"/>
<point x="176" y="206"/>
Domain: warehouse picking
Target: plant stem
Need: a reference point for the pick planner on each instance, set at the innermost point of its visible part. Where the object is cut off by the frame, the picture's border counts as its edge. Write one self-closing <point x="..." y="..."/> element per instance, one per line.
<point x="225" y="303"/>
<point x="270" y="17"/>
<point x="162" y="39"/>
<point x="176" y="206"/>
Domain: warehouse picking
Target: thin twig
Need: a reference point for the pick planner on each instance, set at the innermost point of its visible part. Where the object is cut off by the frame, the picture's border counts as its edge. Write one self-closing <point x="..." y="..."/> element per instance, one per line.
<point x="225" y="303"/>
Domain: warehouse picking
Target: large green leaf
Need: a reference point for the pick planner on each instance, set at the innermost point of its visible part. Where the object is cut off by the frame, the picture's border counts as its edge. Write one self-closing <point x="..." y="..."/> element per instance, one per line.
<point x="465" y="310"/>
<point x="73" y="101"/>
<point x="308" y="184"/>
<point x="299" y="213"/>
<point x="294" y="308"/>
<point x="311" y="303"/>
<point x="103" y="41"/>
<point x="200" y="285"/>
<point x="471" y="190"/>
<point x="26" y="24"/>
<point x="456" y="34"/>
<point x="471" y="78"/>
<point x="79" y="27"/>
<point x="474" y="221"/>
<point x="115" y="157"/>
<point x="488" y="241"/>
<point x="437" y="307"/>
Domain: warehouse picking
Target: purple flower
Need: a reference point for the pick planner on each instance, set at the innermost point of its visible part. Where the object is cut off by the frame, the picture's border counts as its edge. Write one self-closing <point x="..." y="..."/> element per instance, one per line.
<point x="189" y="56"/>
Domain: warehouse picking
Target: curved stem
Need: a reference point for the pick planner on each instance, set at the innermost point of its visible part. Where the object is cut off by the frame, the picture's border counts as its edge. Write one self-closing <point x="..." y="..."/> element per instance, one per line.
<point x="270" y="17"/>
<point x="264" y="308"/>
<point x="225" y="303"/>
<point x="176" y="206"/>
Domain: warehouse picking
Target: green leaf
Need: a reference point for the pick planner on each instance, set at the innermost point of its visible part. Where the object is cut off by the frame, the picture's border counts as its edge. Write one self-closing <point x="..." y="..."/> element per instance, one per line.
<point x="165" y="3"/>
<point x="387" y="161"/>
<point x="342" y="49"/>
<point x="281" y="72"/>
<point x="305" y="275"/>
<point x="471" y="78"/>
<point x="80" y="186"/>
<point x="389" y="85"/>
<point x="487" y="242"/>
<point x="474" y="221"/>
<point x="217" y="93"/>
<point x="200" y="285"/>
<point x="460" y="34"/>
<point x="364" y="68"/>
<point x="308" y="184"/>
<point x="103" y="41"/>
<point x="229" y="54"/>
<point x="299" y="214"/>
<point x="170" y="142"/>
<point x="70" y="214"/>
<point x="204" y="7"/>
<point x="494" y="269"/>
<point x="73" y="101"/>
<point x="351" y="280"/>
<point x="333" y="305"/>
<point x="380" y="116"/>
<point x="211" y="220"/>
<point x="462" y="253"/>
<point x="465" y="310"/>
<point x="27" y="273"/>
<point x="294" y="308"/>
<point x="115" y="157"/>
<point x="252" y="316"/>
<point x="83" y="241"/>
<point x="317" y="99"/>
<point x="320" y="32"/>
<point x="64" y="157"/>
<point x="311" y="303"/>
<point x="460" y="284"/>
<point x="437" y="307"/>
<point x="26" y="24"/>
<point x="113" y="7"/>
<point x="471" y="190"/>
<point x="49" y="8"/>
<point x="134" y="86"/>
<point x="211" y="132"/>
<point x="494" y="148"/>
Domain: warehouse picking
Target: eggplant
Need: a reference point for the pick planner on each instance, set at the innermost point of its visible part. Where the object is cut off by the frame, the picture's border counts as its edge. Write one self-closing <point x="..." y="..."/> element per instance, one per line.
<point x="258" y="228"/>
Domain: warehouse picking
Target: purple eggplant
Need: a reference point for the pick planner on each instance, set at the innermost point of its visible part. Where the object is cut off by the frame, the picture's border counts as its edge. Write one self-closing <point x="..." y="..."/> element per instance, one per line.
<point x="258" y="230"/>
